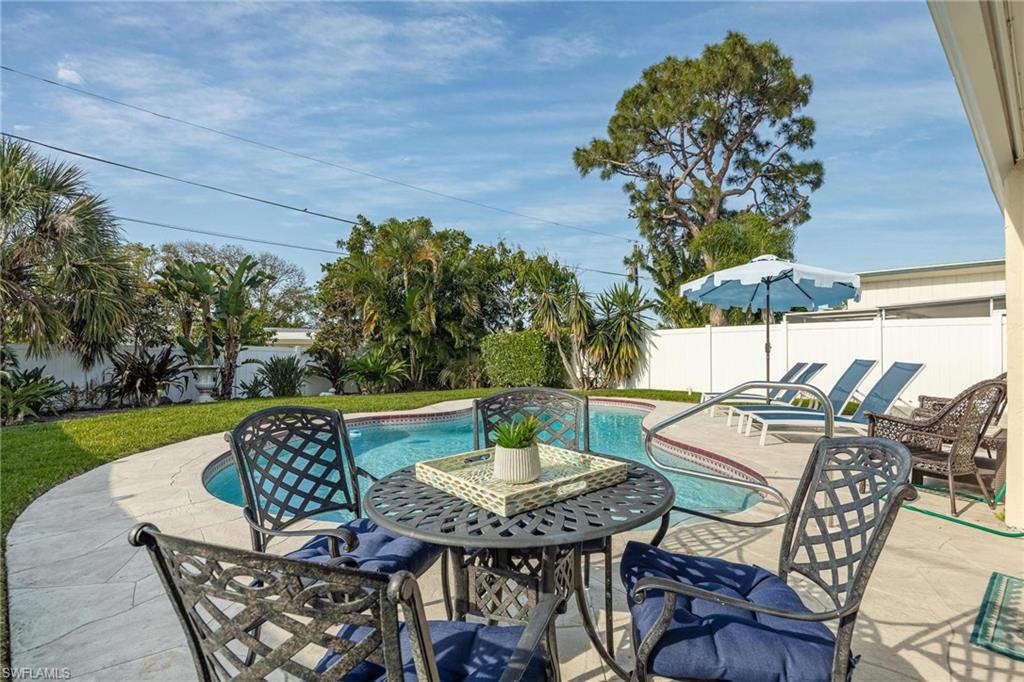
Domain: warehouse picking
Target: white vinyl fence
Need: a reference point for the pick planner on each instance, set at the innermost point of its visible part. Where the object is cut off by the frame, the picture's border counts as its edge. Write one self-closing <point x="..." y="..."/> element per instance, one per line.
<point x="65" y="367"/>
<point x="956" y="352"/>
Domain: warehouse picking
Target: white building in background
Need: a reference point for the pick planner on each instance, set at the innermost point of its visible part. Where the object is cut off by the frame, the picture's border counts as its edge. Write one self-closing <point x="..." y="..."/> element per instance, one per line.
<point x="970" y="289"/>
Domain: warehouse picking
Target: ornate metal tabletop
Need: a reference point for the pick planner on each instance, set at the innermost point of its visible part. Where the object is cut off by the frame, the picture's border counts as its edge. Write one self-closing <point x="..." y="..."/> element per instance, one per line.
<point x="401" y="504"/>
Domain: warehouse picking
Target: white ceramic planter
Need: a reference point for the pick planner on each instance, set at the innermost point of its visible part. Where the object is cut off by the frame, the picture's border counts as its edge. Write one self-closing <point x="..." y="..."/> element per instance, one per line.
<point x="207" y="378"/>
<point x="517" y="465"/>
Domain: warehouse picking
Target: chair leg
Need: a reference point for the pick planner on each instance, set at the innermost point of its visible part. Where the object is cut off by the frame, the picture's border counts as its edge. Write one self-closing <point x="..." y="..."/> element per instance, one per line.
<point x="952" y="492"/>
<point x="608" y="625"/>
<point x="586" y="569"/>
<point x="764" y="434"/>
<point x="985" y="491"/>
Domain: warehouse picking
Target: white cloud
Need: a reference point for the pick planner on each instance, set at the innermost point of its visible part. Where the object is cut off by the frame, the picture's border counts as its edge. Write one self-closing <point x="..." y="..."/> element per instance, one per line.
<point x="67" y="73"/>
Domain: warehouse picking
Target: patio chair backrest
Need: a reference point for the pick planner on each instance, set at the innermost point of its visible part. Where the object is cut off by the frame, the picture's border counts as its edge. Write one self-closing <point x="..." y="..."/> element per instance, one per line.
<point x="844" y="506"/>
<point x="966" y="419"/>
<point x="254" y="616"/>
<point x="791" y="375"/>
<point x="293" y="463"/>
<point x="564" y="418"/>
<point x="848" y="383"/>
<point x="809" y="372"/>
<point x="887" y="389"/>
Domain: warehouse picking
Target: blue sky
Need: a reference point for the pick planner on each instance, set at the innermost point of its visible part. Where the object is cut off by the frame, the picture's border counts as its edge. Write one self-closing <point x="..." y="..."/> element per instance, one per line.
<point x="487" y="102"/>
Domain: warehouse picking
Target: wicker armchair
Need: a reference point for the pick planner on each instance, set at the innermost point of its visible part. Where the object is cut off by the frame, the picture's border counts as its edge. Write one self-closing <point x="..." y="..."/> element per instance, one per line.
<point x="944" y="442"/>
<point x="709" y="619"/>
<point x="253" y="616"/>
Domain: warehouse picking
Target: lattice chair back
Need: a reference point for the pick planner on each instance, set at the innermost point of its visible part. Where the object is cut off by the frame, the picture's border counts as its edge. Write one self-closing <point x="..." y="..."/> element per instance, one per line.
<point x="564" y="418"/>
<point x="842" y="512"/>
<point x="972" y="414"/>
<point x="252" y="616"/>
<point x="293" y="463"/>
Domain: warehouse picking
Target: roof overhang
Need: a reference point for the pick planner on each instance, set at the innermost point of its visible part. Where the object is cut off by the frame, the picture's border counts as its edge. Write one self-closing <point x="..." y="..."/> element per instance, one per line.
<point x="984" y="44"/>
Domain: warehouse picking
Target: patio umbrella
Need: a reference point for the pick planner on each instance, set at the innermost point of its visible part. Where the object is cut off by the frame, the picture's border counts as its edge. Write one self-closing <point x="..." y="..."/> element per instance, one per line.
<point x="773" y="284"/>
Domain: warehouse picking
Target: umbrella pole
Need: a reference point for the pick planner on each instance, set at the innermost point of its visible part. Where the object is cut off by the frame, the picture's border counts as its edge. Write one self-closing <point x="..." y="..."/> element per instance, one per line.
<point x="768" y="340"/>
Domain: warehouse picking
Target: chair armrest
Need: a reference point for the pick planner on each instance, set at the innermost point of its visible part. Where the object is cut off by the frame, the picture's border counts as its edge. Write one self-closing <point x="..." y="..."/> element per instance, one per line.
<point x="540" y="621"/>
<point x="889" y="426"/>
<point x="665" y="585"/>
<point x="931" y="439"/>
<point x="334" y="535"/>
<point x="360" y="471"/>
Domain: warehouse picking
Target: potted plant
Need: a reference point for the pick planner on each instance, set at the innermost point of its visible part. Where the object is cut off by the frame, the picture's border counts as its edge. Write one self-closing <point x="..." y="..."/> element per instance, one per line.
<point x="516" y="458"/>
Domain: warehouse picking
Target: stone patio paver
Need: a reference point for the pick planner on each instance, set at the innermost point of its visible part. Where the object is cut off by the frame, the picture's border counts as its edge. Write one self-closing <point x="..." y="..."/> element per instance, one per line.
<point x="83" y="599"/>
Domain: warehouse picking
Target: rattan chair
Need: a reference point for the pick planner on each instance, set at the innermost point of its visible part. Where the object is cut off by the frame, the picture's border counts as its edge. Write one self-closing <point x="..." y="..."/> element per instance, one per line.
<point x="251" y="616"/>
<point x="710" y="619"/>
<point x="295" y="464"/>
<point x="944" y="442"/>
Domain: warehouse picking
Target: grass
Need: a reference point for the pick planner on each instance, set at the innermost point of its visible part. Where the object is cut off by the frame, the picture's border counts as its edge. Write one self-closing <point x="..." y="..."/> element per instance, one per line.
<point x="36" y="457"/>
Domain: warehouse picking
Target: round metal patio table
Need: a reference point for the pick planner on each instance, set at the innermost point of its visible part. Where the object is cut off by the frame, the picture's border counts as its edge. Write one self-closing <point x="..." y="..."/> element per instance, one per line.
<point x="541" y="546"/>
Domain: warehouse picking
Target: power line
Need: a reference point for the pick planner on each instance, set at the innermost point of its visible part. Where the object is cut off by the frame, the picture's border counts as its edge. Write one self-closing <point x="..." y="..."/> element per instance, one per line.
<point x="301" y="247"/>
<point x="225" y="235"/>
<point x="193" y="183"/>
<point x="314" y="159"/>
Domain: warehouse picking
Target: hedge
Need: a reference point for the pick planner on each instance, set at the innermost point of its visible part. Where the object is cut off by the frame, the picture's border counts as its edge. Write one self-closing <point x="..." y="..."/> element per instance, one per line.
<point x="522" y="359"/>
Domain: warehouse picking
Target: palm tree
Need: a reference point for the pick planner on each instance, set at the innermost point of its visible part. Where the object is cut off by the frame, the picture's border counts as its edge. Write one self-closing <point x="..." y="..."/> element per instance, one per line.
<point x="64" y="278"/>
<point x="561" y="312"/>
<point x="619" y="334"/>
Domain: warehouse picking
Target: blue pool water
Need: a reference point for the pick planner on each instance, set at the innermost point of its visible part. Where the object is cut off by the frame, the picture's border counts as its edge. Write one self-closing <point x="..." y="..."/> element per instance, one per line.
<point x="383" y="448"/>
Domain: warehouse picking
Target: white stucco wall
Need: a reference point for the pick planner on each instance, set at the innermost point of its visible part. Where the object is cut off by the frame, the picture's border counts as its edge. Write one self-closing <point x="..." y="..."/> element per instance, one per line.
<point x="879" y="290"/>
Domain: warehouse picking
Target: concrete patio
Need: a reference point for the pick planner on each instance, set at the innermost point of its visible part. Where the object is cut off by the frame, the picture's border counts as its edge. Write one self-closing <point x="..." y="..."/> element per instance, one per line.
<point x="82" y="599"/>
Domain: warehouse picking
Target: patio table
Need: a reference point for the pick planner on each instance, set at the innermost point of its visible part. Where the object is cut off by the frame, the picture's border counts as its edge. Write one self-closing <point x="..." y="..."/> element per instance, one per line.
<point x="511" y="561"/>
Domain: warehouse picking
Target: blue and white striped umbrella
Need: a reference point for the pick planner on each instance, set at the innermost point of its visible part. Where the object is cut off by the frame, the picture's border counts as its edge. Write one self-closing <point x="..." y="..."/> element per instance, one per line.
<point x="768" y="282"/>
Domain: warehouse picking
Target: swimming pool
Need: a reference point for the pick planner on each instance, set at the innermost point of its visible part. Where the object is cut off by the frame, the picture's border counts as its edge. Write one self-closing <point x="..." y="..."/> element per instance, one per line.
<point x="381" y="447"/>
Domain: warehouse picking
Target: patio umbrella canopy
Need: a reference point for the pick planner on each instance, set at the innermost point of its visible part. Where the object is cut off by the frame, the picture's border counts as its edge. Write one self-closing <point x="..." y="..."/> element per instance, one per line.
<point x="776" y="285"/>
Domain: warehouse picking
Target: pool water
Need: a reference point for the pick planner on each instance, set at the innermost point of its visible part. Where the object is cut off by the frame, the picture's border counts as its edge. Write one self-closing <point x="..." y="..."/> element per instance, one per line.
<point x="383" y="448"/>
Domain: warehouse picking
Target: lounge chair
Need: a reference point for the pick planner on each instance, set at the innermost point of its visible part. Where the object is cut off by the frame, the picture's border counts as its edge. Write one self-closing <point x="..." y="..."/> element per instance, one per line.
<point x="790" y="375"/>
<point x="878" y="400"/>
<point x="704" y="618"/>
<point x="251" y="616"/>
<point x="778" y="399"/>
<point x="840" y="394"/>
<point x="944" y="443"/>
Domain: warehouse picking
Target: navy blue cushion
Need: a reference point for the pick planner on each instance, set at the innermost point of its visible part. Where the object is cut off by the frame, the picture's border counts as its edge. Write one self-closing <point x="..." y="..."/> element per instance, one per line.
<point x="378" y="550"/>
<point x="708" y="641"/>
<point x="465" y="652"/>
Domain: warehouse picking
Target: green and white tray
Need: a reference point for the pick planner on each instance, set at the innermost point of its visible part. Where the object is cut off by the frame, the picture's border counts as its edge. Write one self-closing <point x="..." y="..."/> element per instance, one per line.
<point x="563" y="474"/>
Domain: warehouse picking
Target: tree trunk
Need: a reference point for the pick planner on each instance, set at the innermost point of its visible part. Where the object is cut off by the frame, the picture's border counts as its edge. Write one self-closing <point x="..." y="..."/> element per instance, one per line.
<point x="717" y="315"/>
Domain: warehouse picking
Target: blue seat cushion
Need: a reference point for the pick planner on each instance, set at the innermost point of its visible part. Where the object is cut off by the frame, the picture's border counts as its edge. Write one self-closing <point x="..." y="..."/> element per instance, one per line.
<point x="378" y="550"/>
<point x="465" y="652"/>
<point x="709" y="641"/>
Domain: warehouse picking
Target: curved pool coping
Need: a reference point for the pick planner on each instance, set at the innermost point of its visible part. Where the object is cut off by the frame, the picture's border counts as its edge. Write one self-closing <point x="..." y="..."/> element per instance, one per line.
<point x="685" y="451"/>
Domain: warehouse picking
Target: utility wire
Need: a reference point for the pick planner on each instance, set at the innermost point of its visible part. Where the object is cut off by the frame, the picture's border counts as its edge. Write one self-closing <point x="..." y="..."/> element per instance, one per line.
<point x="193" y="183"/>
<point x="301" y="247"/>
<point x="225" y="235"/>
<point x="307" y="157"/>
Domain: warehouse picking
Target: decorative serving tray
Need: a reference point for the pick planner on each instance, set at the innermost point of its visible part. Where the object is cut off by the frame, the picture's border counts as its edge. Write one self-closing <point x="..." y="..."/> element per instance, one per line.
<point x="563" y="474"/>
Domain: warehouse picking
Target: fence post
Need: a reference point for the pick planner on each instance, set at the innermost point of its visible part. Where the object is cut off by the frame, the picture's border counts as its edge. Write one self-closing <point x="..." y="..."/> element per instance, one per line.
<point x="711" y="363"/>
<point x="998" y="364"/>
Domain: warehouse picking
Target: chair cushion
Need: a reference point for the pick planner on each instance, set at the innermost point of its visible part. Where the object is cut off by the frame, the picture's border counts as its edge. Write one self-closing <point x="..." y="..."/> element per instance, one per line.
<point x="470" y="652"/>
<point x="708" y="641"/>
<point x="378" y="550"/>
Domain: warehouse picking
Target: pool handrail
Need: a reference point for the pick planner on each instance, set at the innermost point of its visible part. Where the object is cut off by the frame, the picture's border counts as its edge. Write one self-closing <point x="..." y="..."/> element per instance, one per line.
<point x="760" y="488"/>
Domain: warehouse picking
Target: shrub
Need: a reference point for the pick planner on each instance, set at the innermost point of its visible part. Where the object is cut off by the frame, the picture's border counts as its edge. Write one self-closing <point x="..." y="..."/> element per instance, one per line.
<point x="282" y="374"/>
<point x="522" y="359"/>
<point x="253" y="389"/>
<point x="26" y="393"/>
<point x="330" y="364"/>
<point x="141" y="379"/>
<point x="377" y="371"/>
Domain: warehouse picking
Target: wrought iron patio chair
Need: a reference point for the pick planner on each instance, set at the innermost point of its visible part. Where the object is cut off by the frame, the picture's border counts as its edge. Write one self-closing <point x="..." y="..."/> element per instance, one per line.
<point x="296" y="463"/>
<point x="251" y="616"/>
<point x="944" y="443"/>
<point x="564" y="420"/>
<point x="711" y="619"/>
